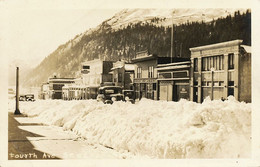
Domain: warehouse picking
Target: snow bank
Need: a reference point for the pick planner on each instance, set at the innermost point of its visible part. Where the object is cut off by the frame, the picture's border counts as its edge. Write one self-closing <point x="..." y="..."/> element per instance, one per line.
<point x="158" y="129"/>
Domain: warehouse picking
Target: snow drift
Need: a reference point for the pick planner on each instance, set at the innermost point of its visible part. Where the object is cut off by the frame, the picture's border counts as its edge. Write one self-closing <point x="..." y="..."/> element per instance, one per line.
<point x="158" y="129"/>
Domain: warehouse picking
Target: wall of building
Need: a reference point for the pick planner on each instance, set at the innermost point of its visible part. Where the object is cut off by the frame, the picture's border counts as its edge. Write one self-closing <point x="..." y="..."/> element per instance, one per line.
<point x="145" y="65"/>
<point x="240" y="75"/>
<point x="245" y="78"/>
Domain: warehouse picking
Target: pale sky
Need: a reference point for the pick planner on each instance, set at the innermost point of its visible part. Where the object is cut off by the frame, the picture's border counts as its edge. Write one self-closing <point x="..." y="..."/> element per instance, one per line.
<point x="33" y="33"/>
<point x="33" y="29"/>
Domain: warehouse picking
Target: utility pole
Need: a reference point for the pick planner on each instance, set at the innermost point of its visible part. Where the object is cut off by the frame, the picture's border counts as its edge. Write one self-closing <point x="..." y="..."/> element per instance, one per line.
<point x="172" y="42"/>
<point x="172" y="33"/>
<point x="17" y="111"/>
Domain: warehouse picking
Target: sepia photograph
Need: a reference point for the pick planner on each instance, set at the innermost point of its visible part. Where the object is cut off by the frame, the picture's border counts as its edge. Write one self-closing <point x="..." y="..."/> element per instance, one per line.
<point x="112" y="85"/>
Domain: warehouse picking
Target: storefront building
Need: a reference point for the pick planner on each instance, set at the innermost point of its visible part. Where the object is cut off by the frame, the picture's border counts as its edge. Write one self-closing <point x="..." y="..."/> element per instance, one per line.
<point x="55" y="86"/>
<point x="173" y="80"/>
<point x="95" y="73"/>
<point x="123" y="74"/>
<point x="220" y="70"/>
<point x="145" y="78"/>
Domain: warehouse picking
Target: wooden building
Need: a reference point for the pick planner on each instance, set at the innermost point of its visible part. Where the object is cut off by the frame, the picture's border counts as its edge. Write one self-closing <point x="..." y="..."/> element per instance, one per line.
<point x="123" y="74"/>
<point x="95" y="73"/>
<point x="145" y="78"/>
<point x="220" y="70"/>
<point x="55" y="86"/>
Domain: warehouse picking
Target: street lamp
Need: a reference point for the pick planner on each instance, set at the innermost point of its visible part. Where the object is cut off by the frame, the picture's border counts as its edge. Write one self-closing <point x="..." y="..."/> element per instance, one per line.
<point x="17" y="111"/>
<point x="212" y="79"/>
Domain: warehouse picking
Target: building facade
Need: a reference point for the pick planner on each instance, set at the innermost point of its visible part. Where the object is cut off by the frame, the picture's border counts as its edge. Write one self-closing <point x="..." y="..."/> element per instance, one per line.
<point x="145" y="78"/>
<point x="45" y="91"/>
<point x="173" y="80"/>
<point x="220" y="70"/>
<point x="123" y="75"/>
<point x="55" y="86"/>
<point x="96" y="73"/>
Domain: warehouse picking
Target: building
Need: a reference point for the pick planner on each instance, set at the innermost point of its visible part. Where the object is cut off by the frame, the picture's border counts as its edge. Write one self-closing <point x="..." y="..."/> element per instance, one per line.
<point x="55" y="86"/>
<point x="123" y="75"/>
<point x="145" y="77"/>
<point x="220" y="70"/>
<point x="74" y="91"/>
<point x="96" y="73"/>
<point x="45" y="91"/>
<point x="173" y="80"/>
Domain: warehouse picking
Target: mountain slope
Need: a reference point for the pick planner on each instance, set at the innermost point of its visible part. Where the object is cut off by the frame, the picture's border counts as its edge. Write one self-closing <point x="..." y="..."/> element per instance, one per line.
<point x="133" y="30"/>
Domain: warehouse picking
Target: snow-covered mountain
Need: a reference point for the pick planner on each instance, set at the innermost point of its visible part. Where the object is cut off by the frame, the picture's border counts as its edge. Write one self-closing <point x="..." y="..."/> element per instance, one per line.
<point x="167" y="16"/>
<point x="113" y="39"/>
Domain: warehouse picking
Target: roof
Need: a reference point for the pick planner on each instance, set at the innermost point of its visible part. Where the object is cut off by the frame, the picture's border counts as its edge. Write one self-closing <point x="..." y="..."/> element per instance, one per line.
<point x="103" y="87"/>
<point x="145" y="57"/>
<point x="247" y="48"/>
<point x="217" y="45"/>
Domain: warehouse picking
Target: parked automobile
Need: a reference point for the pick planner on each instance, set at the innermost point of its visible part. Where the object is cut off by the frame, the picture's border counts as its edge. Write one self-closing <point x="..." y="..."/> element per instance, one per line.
<point x="29" y="97"/>
<point x="22" y="98"/>
<point x="109" y="94"/>
<point x="129" y="96"/>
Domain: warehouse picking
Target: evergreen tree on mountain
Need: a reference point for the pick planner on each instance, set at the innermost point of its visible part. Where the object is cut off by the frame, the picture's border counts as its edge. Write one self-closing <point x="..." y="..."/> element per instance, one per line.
<point x="122" y="44"/>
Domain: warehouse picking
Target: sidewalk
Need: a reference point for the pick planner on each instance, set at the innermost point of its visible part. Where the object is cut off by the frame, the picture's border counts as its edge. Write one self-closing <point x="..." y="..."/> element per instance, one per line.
<point x="28" y="139"/>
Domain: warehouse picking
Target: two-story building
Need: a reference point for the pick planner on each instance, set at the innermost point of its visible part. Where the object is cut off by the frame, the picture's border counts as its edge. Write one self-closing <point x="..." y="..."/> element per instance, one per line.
<point x="96" y="73"/>
<point x="55" y="86"/>
<point x="123" y="74"/>
<point x="145" y="79"/>
<point x="220" y="70"/>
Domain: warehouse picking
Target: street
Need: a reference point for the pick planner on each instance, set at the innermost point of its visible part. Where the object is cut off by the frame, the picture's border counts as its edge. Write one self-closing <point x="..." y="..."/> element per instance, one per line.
<point x="29" y="139"/>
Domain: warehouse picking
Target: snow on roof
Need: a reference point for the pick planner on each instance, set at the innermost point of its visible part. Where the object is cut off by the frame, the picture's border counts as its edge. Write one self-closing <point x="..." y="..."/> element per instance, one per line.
<point x="247" y="48"/>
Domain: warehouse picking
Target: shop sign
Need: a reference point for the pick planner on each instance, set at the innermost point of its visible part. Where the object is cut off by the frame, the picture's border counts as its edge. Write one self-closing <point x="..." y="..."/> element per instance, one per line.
<point x="146" y="80"/>
<point x="183" y="90"/>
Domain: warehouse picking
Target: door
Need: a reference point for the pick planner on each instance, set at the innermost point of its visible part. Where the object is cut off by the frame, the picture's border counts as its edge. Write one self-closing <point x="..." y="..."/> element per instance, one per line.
<point x="166" y="92"/>
<point x="195" y="94"/>
<point x="181" y="91"/>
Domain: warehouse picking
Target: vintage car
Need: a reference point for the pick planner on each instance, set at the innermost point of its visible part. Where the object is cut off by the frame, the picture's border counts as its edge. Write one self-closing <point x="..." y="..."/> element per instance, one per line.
<point x="29" y="97"/>
<point x="109" y="94"/>
<point x="22" y="98"/>
<point x="129" y="96"/>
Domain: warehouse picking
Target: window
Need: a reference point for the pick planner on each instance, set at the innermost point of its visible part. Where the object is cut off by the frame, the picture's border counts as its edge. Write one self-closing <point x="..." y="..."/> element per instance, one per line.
<point x="195" y="64"/>
<point x="120" y="77"/>
<point x="221" y="83"/>
<point x="204" y="64"/>
<point x="116" y="76"/>
<point x="139" y="72"/>
<point x="215" y="62"/>
<point x="221" y="62"/>
<point x="150" y="72"/>
<point x="208" y="64"/>
<point x="230" y="83"/>
<point x="231" y="61"/>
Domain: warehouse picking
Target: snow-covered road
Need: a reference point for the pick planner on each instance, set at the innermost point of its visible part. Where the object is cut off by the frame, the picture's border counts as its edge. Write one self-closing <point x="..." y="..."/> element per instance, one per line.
<point x="157" y="129"/>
